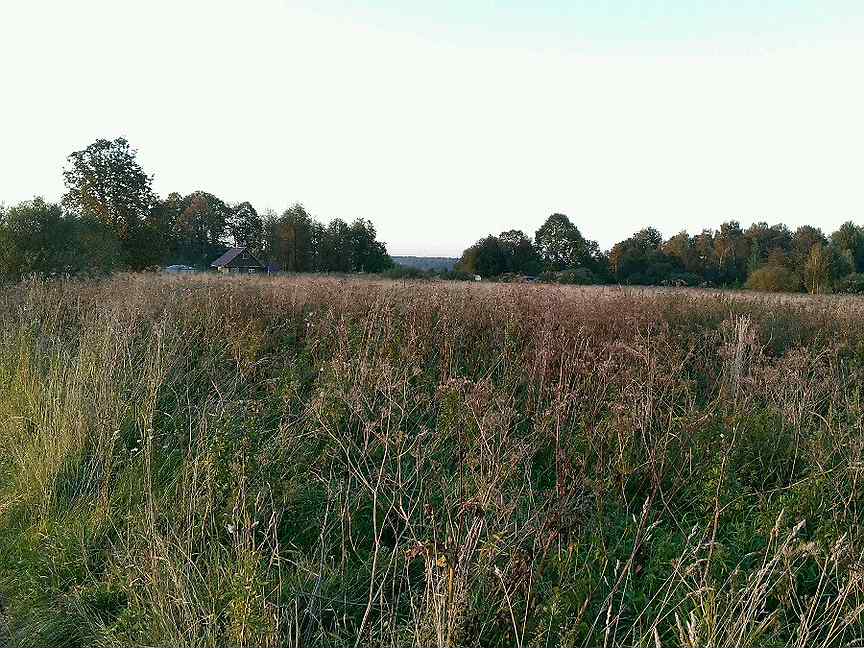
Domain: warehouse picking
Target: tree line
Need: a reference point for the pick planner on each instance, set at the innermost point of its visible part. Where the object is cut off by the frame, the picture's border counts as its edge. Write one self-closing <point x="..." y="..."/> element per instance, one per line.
<point x="761" y="257"/>
<point x="111" y="219"/>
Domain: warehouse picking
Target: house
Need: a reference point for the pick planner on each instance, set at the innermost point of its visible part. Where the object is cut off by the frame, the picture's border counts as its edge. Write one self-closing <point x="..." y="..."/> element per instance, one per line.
<point x="238" y="259"/>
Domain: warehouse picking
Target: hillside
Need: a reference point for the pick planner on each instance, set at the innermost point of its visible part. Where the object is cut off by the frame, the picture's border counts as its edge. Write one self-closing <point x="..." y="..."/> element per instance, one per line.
<point x="212" y="461"/>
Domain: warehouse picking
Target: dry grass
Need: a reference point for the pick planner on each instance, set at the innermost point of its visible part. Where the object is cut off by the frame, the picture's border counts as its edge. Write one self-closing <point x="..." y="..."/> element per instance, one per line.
<point x="311" y="461"/>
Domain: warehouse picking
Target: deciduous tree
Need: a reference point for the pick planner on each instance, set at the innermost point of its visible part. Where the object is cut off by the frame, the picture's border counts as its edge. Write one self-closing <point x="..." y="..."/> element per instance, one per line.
<point x="35" y="237"/>
<point x="105" y="182"/>
<point x="246" y="226"/>
<point x="202" y="224"/>
<point x="562" y="246"/>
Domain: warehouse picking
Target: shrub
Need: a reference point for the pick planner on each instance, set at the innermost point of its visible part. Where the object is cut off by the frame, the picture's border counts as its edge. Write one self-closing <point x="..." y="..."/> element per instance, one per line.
<point x="456" y="275"/>
<point x="773" y="278"/>
<point x="509" y="277"/>
<point x="851" y="284"/>
<point x="576" y="277"/>
<point x="405" y="272"/>
<point x="681" y="279"/>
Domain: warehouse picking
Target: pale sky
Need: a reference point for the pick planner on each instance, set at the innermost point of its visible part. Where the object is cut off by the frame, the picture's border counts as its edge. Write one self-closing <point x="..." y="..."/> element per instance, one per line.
<point x="447" y="120"/>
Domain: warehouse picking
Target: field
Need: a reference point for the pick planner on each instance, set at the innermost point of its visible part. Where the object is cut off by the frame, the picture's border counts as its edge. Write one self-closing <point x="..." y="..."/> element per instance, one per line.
<point x="326" y="462"/>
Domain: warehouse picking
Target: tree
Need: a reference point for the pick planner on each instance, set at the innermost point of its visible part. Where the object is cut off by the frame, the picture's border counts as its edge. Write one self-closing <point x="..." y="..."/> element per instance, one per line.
<point x="335" y="250"/>
<point x="804" y="240"/>
<point x="367" y="253"/>
<point x="246" y="226"/>
<point x="562" y="246"/>
<point x="733" y="251"/>
<point x="848" y="240"/>
<point x="105" y="182"/>
<point x="705" y="256"/>
<point x="96" y="248"/>
<point x="681" y="248"/>
<point x="290" y="240"/>
<point x="817" y="270"/>
<point x="162" y="228"/>
<point x="488" y="257"/>
<point x="492" y="256"/>
<point x="523" y="257"/>
<point x="641" y="260"/>
<point x="36" y="237"/>
<point x="201" y="225"/>
<point x="765" y="241"/>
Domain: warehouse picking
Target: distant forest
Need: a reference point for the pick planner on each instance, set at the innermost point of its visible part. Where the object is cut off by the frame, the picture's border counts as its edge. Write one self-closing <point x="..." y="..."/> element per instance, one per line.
<point x="762" y="257"/>
<point x="110" y="219"/>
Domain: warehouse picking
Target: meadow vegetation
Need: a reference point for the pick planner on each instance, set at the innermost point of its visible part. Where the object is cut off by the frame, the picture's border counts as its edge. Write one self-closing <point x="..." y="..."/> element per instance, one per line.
<point x="202" y="461"/>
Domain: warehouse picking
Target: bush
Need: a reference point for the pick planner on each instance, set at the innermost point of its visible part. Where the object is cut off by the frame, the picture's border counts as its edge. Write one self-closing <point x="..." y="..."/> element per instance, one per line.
<point x="774" y="278"/>
<point x="852" y="284"/>
<point x="456" y="275"/>
<point x="405" y="272"/>
<point x="683" y="279"/>
<point x="509" y="277"/>
<point x="513" y="277"/>
<point x="576" y="277"/>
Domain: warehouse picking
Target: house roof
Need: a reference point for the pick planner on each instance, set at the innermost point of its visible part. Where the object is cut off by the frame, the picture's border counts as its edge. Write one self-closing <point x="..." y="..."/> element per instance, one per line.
<point x="230" y="255"/>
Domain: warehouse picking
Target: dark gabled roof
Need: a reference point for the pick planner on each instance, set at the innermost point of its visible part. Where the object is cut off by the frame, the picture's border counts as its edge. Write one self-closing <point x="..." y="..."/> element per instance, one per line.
<point x="230" y="255"/>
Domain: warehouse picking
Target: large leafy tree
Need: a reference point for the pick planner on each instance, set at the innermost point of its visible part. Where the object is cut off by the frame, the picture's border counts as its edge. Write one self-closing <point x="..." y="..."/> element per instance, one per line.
<point x="732" y="251"/>
<point x="367" y="253"/>
<point x="161" y="226"/>
<point x="201" y="226"/>
<point x="848" y="241"/>
<point x="562" y="246"/>
<point x="290" y="239"/>
<point x="703" y="246"/>
<point x="104" y="182"/>
<point x="511" y="251"/>
<point x="804" y="240"/>
<point x="36" y="237"/>
<point x="335" y="250"/>
<point x="774" y="243"/>
<point x="488" y="257"/>
<point x="817" y="272"/>
<point x="97" y="249"/>
<point x="640" y="259"/>
<point x="523" y="257"/>
<point x="682" y="248"/>
<point x="246" y="226"/>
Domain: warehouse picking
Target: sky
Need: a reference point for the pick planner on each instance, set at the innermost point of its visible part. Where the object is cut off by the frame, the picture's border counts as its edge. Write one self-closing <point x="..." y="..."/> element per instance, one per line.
<point x="446" y="120"/>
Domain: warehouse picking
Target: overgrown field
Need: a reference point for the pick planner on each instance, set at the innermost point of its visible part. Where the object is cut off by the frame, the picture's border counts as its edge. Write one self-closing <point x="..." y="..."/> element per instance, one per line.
<point x="322" y="462"/>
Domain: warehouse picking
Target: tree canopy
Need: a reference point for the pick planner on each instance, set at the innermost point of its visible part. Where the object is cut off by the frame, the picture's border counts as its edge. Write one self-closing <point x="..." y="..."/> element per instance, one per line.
<point x="561" y="245"/>
<point x="105" y="182"/>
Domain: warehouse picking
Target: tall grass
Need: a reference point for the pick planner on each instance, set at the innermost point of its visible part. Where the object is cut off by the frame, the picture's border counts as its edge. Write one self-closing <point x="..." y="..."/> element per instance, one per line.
<point x="314" y="462"/>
